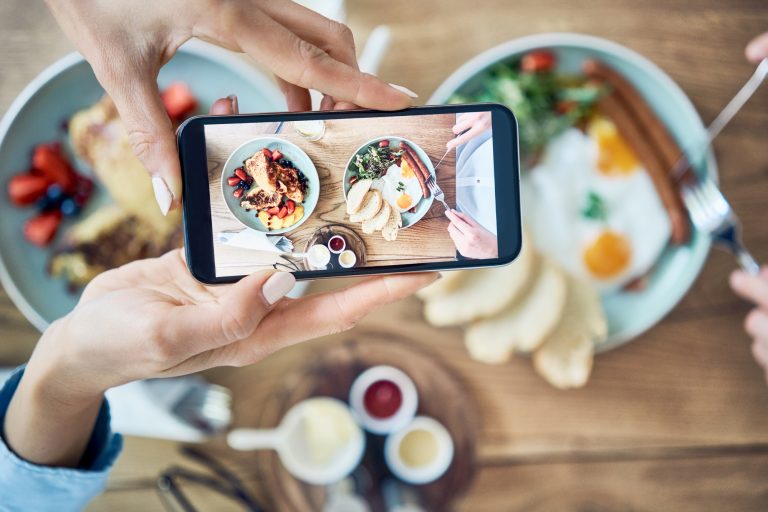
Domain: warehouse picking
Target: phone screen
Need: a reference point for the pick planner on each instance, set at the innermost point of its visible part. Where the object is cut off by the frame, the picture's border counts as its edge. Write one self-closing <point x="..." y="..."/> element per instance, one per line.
<point x="340" y="194"/>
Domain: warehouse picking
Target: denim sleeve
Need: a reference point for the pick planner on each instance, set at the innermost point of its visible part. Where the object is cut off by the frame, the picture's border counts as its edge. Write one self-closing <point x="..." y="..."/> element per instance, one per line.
<point x="25" y="486"/>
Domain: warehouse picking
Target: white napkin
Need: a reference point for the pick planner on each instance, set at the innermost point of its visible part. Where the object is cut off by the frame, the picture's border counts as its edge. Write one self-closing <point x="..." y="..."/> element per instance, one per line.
<point x="250" y="239"/>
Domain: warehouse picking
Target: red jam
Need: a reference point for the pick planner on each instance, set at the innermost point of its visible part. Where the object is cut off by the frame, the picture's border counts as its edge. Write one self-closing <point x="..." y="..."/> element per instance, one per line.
<point x="336" y="243"/>
<point x="382" y="399"/>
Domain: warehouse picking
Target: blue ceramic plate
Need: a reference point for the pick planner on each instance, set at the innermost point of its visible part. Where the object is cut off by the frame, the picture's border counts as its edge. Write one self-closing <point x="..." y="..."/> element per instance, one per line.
<point x="629" y="313"/>
<point x="37" y="115"/>
<point x="290" y="151"/>
<point x="409" y="219"/>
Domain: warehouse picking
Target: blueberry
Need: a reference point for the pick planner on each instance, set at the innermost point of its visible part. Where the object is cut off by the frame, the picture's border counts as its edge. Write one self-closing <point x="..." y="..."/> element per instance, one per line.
<point x="44" y="204"/>
<point x="69" y="207"/>
<point x="55" y="192"/>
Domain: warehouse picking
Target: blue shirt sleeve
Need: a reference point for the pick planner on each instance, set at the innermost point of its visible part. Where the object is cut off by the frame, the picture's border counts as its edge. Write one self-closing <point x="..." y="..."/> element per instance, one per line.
<point x="25" y="486"/>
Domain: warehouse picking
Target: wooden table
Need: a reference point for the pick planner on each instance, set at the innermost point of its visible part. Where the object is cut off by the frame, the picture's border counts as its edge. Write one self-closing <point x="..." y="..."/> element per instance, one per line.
<point x="426" y="240"/>
<point x="676" y="420"/>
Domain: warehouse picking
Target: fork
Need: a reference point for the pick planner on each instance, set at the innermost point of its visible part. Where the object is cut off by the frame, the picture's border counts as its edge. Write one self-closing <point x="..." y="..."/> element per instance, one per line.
<point x="437" y="191"/>
<point x="711" y="213"/>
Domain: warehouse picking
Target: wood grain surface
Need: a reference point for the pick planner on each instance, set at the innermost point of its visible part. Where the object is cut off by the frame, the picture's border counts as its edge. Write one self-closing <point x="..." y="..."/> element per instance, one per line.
<point x="676" y="420"/>
<point x="427" y="240"/>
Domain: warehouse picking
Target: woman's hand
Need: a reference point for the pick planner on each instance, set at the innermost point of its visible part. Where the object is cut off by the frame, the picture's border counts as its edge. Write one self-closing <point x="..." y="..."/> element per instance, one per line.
<point x="755" y="289"/>
<point x="127" y="42"/>
<point x="472" y="124"/>
<point x="471" y="239"/>
<point x="757" y="49"/>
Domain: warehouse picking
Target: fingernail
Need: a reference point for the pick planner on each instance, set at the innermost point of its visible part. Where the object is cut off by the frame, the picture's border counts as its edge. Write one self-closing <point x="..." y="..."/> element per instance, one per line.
<point x="277" y="286"/>
<point x="404" y="90"/>
<point x="163" y="194"/>
<point x="233" y="99"/>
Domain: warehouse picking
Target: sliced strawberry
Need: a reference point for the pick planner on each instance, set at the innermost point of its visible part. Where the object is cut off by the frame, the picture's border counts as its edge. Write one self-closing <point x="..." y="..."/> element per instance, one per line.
<point x="49" y="162"/>
<point x="238" y="192"/>
<point x="290" y="206"/>
<point x="233" y="181"/>
<point x="538" y="61"/>
<point x="282" y="213"/>
<point x="24" y="189"/>
<point x="276" y="155"/>
<point x="40" y="230"/>
<point x="273" y="211"/>
<point x="384" y="143"/>
<point x="267" y="153"/>
<point x="179" y="101"/>
<point x="240" y="173"/>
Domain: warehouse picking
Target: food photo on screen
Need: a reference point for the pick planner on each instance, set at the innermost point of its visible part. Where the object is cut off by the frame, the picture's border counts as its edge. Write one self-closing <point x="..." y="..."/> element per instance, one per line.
<point x="319" y="195"/>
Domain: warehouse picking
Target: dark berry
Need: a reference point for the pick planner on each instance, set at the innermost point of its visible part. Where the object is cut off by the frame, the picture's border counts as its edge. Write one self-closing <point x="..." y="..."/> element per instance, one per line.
<point x="55" y="193"/>
<point x="69" y="207"/>
<point x="44" y="204"/>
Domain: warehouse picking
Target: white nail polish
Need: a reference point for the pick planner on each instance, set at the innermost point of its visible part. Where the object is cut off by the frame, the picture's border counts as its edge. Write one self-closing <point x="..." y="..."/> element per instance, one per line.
<point x="163" y="194"/>
<point x="404" y="90"/>
<point x="277" y="286"/>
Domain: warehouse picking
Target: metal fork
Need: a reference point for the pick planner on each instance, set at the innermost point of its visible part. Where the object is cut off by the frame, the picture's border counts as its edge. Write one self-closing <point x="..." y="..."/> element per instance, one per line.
<point x="437" y="191"/>
<point x="711" y="213"/>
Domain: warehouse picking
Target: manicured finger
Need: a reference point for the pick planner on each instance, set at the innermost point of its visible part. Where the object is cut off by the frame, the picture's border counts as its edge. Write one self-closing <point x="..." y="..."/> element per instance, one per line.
<point x="757" y="49"/>
<point x="225" y="106"/>
<point x="301" y="63"/>
<point x="233" y="317"/>
<point x="459" y="220"/>
<point x="463" y="122"/>
<point x="327" y="103"/>
<point x="134" y="90"/>
<point x="464" y="137"/>
<point x="756" y="323"/>
<point x="753" y="288"/>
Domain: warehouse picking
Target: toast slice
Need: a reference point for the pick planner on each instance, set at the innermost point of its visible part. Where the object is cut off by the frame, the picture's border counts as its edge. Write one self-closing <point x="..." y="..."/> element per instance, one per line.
<point x="369" y="208"/>
<point x="378" y="221"/>
<point x="393" y="225"/>
<point x="356" y="195"/>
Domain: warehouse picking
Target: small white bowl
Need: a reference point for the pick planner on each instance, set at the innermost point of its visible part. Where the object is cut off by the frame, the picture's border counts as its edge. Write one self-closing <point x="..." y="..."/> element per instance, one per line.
<point x="350" y="263"/>
<point x="403" y="416"/>
<point x="343" y="247"/>
<point x="428" y="472"/>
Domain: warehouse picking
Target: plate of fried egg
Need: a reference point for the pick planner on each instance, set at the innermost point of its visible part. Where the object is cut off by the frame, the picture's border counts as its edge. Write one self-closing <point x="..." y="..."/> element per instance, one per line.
<point x="600" y="127"/>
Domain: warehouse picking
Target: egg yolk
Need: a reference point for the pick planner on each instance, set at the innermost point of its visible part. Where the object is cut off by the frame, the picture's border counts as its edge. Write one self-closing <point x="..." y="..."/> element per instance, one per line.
<point x="404" y="201"/>
<point x="608" y="255"/>
<point x="406" y="171"/>
<point x="615" y="157"/>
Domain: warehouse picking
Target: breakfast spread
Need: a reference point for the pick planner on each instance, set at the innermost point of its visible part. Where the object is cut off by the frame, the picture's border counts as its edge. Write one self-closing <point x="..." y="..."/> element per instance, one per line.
<point x="384" y="184"/>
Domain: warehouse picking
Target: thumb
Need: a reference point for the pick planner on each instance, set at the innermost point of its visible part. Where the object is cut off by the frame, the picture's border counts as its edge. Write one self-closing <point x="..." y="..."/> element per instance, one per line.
<point x="150" y="132"/>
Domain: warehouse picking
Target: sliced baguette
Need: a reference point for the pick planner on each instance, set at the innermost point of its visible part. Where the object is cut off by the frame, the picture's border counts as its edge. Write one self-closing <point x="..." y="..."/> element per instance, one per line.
<point x="484" y="293"/>
<point x="565" y="357"/>
<point x="525" y="324"/>
<point x="370" y="207"/>
<point x="378" y="221"/>
<point x="393" y="225"/>
<point x="356" y="195"/>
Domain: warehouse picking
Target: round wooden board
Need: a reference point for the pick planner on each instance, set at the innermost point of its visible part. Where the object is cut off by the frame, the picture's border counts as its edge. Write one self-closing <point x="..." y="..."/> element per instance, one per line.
<point x="441" y="396"/>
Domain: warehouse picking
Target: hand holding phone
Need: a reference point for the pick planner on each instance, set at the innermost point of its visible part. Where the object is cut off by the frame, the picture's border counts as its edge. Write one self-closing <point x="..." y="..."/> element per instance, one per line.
<point x="324" y="194"/>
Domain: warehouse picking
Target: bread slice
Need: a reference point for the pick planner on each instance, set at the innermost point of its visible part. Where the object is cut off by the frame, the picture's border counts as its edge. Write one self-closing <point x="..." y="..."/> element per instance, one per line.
<point x="393" y="225"/>
<point x="370" y="207"/>
<point x="378" y="221"/>
<point x="356" y="195"/>
<point x="449" y="281"/>
<point x="484" y="293"/>
<point x="565" y="357"/>
<point x="523" y="325"/>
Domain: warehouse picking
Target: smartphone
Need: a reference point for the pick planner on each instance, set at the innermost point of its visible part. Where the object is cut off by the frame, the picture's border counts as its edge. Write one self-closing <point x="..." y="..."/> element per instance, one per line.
<point x="344" y="193"/>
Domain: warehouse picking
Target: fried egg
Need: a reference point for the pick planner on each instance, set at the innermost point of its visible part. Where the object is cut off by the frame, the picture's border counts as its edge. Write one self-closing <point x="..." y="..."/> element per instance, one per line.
<point x="400" y="187"/>
<point x="592" y="207"/>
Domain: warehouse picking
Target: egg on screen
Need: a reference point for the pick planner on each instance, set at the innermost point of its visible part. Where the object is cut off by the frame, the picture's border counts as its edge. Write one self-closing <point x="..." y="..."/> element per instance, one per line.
<point x="591" y="206"/>
<point x="400" y="187"/>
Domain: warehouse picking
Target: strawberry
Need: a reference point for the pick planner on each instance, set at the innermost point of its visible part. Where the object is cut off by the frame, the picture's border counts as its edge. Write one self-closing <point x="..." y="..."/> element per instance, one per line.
<point x="240" y="173"/>
<point x="290" y="206"/>
<point x="238" y="192"/>
<point x="179" y="101"/>
<point x="276" y="155"/>
<point x="384" y="143"/>
<point x="40" y="230"/>
<point x="49" y="162"/>
<point x="274" y="210"/>
<point x="24" y="189"/>
<point x="538" y="61"/>
<point x="282" y="213"/>
<point x="233" y="181"/>
<point x="267" y="153"/>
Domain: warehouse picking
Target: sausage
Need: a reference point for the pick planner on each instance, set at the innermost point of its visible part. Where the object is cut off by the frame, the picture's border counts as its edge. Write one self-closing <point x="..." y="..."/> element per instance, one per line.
<point x="422" y="181"/>
<point x="421" y="167"/>
<point x="636" y="135"/>
<point x="653" y="126"/>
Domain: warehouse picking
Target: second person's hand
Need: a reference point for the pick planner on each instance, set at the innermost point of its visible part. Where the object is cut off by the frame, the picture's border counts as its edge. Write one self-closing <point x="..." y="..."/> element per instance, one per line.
<point x="128" y="41"/>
